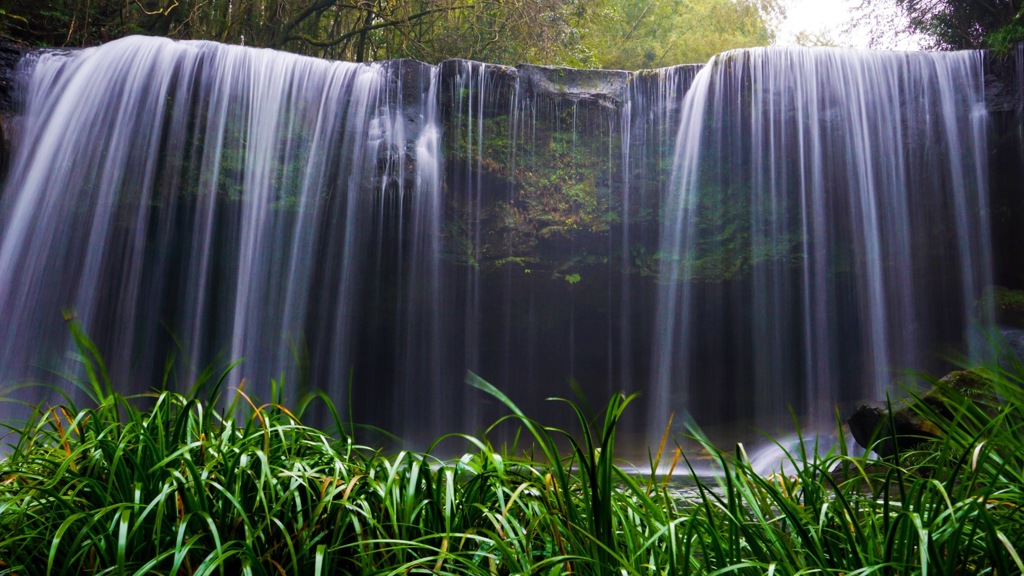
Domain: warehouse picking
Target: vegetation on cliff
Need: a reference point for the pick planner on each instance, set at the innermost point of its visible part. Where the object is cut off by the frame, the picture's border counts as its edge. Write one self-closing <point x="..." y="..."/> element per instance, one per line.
<point x="586" y="33"/>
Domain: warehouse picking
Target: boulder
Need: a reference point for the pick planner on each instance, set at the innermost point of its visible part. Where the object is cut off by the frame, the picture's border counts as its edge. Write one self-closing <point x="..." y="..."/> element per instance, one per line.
<point x="875" y="428"/>
<point x="604" y="87"/>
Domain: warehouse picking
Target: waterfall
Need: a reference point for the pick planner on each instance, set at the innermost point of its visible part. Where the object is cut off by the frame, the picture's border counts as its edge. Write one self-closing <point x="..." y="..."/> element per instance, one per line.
<point x="212" y="200"/>
<point x="826" y="229"/>
<point x="780" y="228"/>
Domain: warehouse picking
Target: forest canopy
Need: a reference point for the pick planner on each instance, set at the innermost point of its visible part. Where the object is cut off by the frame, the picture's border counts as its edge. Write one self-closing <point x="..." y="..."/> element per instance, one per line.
<point x="628" y="34"/>
<point x="948" y="24"/>
<point x="624" y="34"/>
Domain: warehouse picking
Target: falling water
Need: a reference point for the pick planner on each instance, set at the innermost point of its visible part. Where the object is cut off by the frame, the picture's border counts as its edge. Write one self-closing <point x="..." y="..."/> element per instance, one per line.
<point x="650" y="118"/>
<point x="223" y="198"/>
<point x="786" y="232"/>
<point x="826" y="229"/>
<point x="537" y="167"/>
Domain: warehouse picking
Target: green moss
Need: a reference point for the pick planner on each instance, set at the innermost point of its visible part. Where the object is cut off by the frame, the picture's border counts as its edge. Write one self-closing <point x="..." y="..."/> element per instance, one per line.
<point x="1007" y="304"/>
<point x="550" y="185"/>
<point x="966" y="383"/>
<point x="554" y="191"/>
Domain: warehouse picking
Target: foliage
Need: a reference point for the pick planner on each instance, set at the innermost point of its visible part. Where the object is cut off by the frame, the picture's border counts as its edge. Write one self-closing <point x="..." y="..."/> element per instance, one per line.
<point x="167" y="484"/>
<point x="361" y="30"/>
<point x="631" y="34"/>
<point x="557" y="187"/>
<point x="582" y="33"/>
<point x="954" y="24"/>
<point x="66" y="22"/>
<point x="554" y="187"/>
<point x="733" y="232"/>
<point x="816" y="39"/>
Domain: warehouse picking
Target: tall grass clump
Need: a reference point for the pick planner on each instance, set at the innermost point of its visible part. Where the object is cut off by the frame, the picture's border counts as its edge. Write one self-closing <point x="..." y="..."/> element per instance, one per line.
<point x="179" y="483"/>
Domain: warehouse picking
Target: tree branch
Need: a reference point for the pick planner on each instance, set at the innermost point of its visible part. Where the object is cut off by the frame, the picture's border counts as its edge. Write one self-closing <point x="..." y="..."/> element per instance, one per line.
<point x="164" y="12"/>
<point x="310" y="10"/>
<point x="372" y="27"/>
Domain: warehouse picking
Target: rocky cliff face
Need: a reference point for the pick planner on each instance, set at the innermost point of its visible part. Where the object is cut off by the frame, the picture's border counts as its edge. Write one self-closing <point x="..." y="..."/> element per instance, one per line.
<point x="1004" y="89"/>
<point x="10" y="55"/>
<point x="1004" y="95"/>
<point x="602" y="96"/>
<point x="606" y="88"/>
<point x="1003" y="85"/>
<point x="531" y="246"/>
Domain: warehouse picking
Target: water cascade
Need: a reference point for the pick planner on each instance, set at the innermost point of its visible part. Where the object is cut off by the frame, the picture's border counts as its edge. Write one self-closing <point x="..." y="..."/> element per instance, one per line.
<point x="783" y="233"/>
<point x="216" y="202"/>
<point x="827" y="230"/>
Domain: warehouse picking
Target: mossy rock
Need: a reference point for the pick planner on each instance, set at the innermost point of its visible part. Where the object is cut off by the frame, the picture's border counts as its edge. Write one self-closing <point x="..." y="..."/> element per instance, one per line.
<point x="604" y="87"/>
<point x="966" y="383"/>
<point x="873" y="428"/>
<point x="909" y="425"/>
<point x="1007" y="304"/>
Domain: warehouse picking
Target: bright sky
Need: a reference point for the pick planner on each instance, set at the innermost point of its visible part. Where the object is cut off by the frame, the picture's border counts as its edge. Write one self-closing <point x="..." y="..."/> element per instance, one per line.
<point x="814" y="16"/>
<point x="829" y="19"/>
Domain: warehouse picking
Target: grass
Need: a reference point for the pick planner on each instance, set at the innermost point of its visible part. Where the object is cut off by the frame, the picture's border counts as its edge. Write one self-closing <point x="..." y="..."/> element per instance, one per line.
<point x="170" y="484"/>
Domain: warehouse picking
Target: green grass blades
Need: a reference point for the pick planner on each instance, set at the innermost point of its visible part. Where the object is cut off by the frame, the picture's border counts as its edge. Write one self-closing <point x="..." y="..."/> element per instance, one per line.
<point x="170" y="484"/>
<point x="173" y="489"/>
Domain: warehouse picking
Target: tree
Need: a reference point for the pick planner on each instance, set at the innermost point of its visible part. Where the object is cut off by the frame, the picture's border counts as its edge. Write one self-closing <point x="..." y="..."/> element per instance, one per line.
<point x="816" y="39"/>
<point x="502" y="31"/>
<point x="64" y="22"/>
<point x="582" y="33"/>
<point x="362" y="30"/>
<point x="955" y="24"/>
<point x="632" y="34"/>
